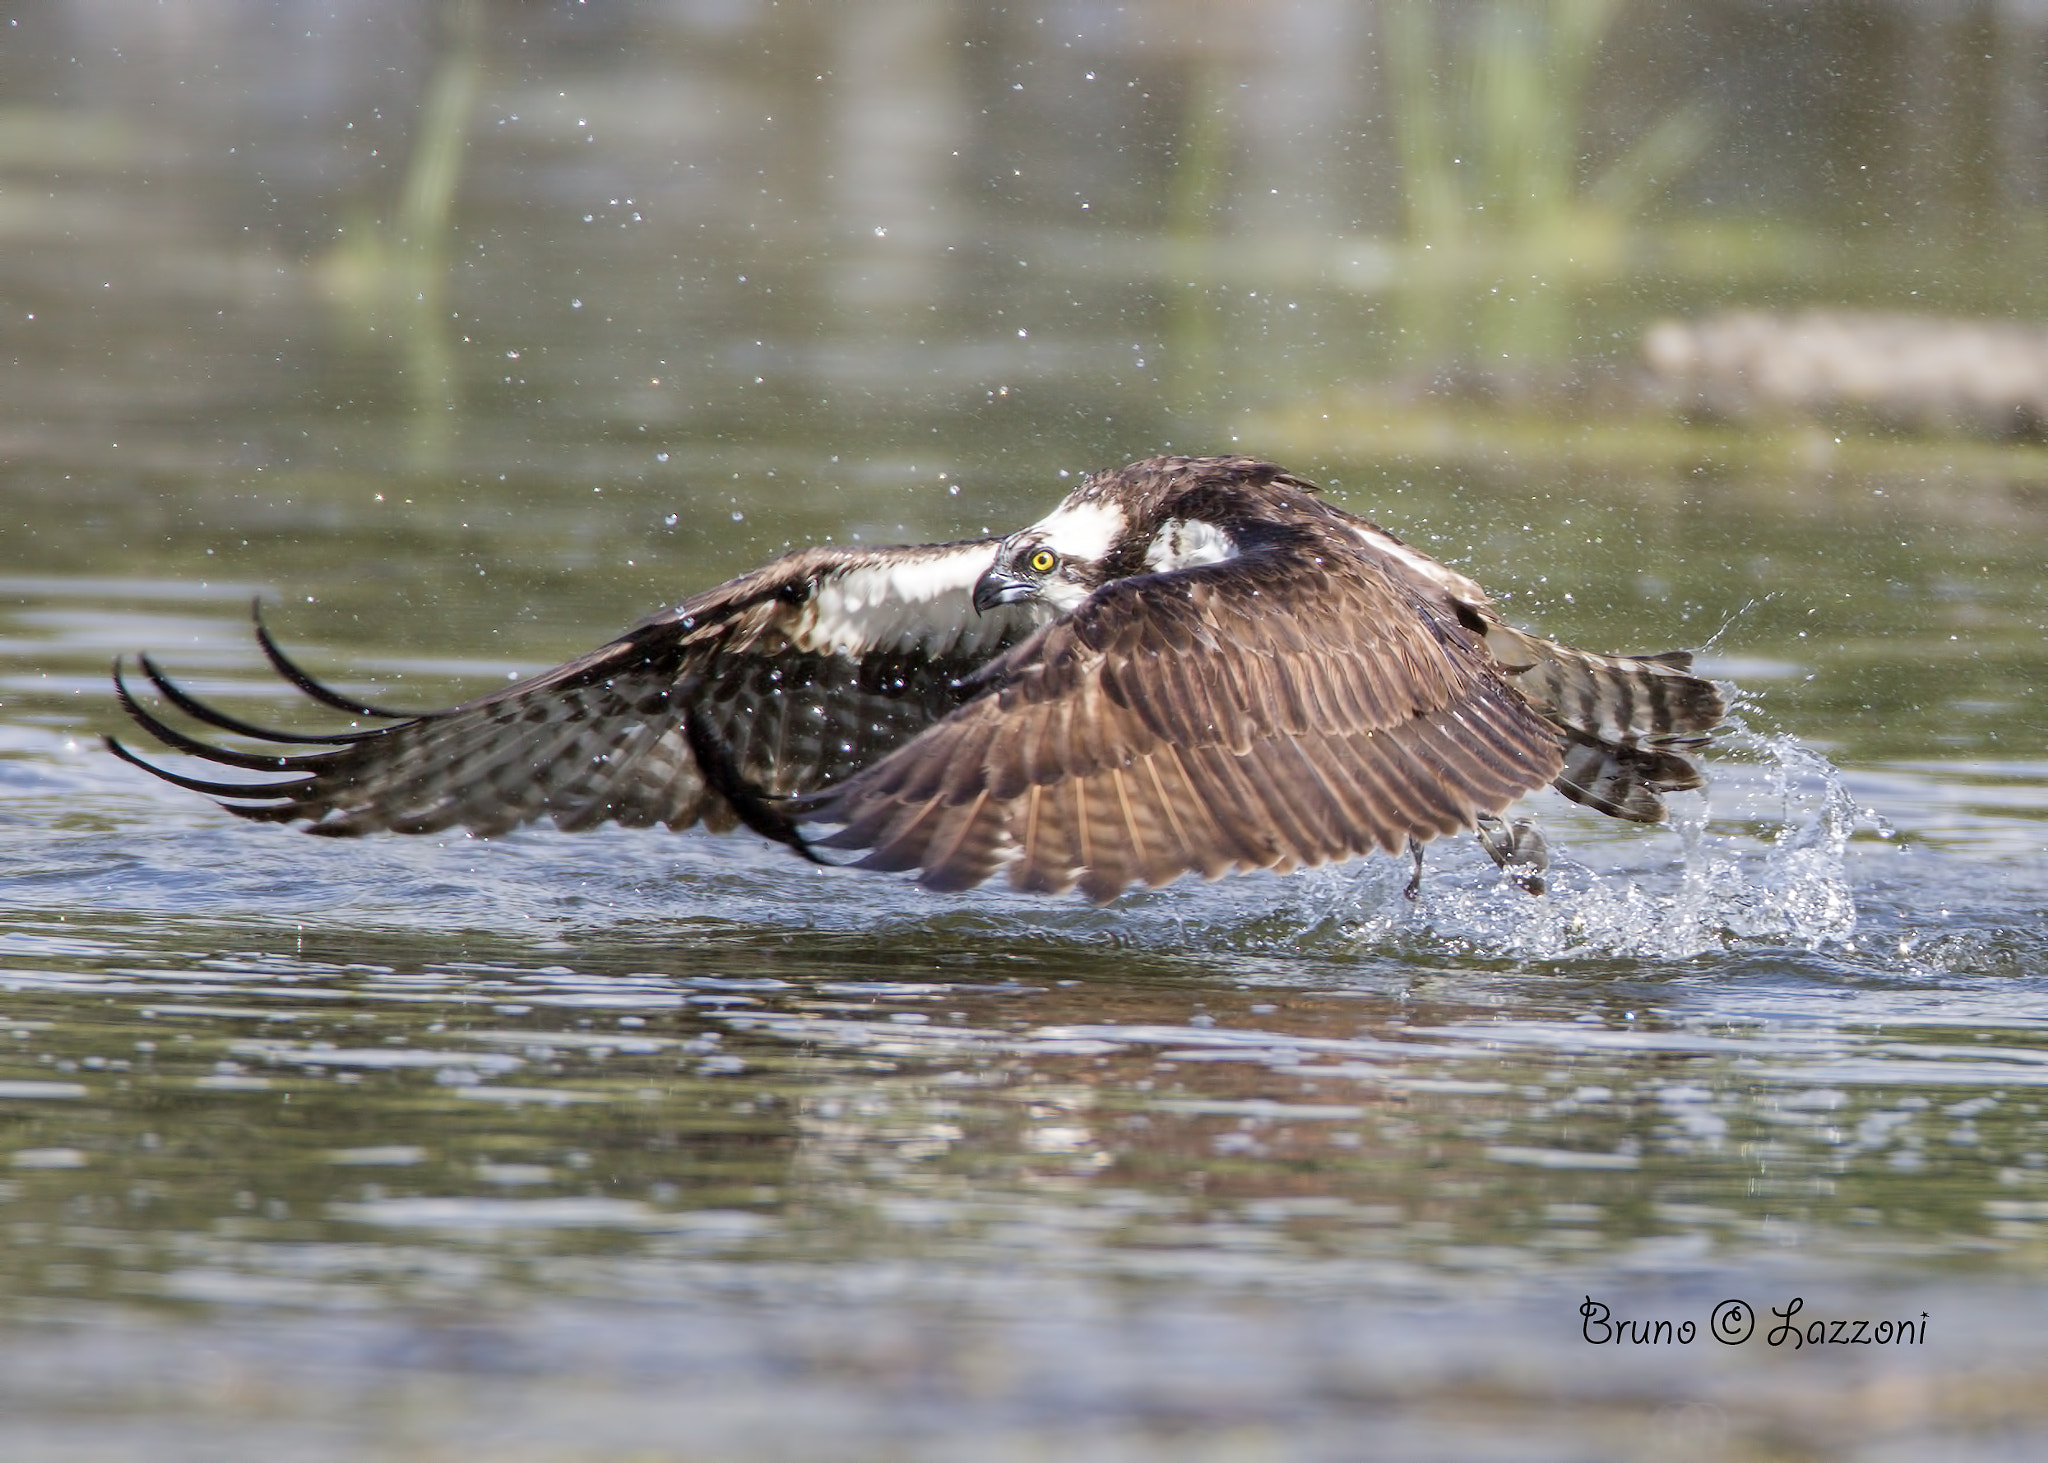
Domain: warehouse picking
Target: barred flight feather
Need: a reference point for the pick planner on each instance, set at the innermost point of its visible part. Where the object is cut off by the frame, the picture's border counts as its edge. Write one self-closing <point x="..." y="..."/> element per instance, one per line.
<point x="1221" y="671"/>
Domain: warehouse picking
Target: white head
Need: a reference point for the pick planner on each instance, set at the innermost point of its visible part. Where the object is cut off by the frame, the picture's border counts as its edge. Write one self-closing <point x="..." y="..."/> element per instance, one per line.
<point x="1060" y="559"/>
<point x="1153" y="517"/>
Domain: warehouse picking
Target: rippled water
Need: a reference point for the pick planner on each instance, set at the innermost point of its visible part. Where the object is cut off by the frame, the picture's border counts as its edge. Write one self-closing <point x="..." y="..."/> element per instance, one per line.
<point x="636" y="1131"/>
<point x="631" y="1144"/>
<point x="551" y="1143"/>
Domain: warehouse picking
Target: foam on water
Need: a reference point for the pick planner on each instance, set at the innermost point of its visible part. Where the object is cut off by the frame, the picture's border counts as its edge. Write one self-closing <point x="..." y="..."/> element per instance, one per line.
<point x="1759" y="859"/>
<point x="1762" y="861"/>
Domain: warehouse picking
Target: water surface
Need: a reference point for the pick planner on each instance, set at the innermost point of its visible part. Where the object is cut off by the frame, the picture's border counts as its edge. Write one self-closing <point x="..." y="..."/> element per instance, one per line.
<point x="636" y="1144"/>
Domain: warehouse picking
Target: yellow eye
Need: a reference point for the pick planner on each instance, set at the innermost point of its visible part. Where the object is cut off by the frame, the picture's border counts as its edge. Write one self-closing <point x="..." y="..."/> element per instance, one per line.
<point x="1043" y="561"/>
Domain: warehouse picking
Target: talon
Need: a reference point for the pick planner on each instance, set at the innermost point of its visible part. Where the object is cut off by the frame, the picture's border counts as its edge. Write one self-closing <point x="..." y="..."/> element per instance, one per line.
<point x="1520" y="852"/>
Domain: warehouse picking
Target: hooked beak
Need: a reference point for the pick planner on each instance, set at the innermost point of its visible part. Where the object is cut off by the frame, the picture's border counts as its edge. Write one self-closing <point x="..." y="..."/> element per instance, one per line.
<point x="998" y="586"/>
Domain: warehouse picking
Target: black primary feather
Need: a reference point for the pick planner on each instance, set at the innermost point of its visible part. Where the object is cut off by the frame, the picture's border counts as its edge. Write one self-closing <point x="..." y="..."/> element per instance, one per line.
<point x="1190" y="665"/>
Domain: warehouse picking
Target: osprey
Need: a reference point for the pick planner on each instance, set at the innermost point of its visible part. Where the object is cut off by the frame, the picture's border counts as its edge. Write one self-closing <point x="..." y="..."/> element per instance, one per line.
<point x="1193" y="664"/>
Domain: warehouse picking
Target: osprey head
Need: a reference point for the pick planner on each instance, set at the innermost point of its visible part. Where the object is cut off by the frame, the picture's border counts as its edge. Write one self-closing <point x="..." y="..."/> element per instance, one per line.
<point x="1060" y="559"/>
<point x="1152" y="517"/>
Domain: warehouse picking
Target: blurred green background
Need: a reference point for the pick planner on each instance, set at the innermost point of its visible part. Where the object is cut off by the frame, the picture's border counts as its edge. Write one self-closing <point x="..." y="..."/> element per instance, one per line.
<point x="491" y="326"/>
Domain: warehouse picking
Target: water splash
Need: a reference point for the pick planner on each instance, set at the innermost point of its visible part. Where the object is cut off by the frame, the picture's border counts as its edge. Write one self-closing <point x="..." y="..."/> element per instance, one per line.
<point x="1758" y="860"/>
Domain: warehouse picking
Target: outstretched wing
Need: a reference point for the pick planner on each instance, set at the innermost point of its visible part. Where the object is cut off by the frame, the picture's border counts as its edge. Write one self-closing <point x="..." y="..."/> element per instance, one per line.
<point x="782" y="681"/>
<point x="1626" y="721"/>
<point x="1302" y="702"/>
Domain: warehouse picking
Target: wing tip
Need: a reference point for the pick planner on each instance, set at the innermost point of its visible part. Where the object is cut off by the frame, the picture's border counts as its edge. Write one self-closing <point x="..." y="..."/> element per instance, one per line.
<point x="315" y="688"/>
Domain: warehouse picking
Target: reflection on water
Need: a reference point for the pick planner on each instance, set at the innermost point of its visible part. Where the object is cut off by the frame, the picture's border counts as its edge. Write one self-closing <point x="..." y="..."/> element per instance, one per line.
<point x="991" y="1155"/>
<point x="229" y="1123"/>
<point x="685" y="1124"/>
<point x="591" y="1147"/>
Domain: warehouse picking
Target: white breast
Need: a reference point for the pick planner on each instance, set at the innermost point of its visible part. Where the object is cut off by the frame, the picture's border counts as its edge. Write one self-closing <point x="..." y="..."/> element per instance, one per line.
<point x="916" y="601"/>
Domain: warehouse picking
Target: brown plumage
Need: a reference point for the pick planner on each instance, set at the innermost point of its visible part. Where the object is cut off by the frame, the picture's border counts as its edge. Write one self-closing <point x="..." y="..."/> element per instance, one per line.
<point x="1193" y="664"/>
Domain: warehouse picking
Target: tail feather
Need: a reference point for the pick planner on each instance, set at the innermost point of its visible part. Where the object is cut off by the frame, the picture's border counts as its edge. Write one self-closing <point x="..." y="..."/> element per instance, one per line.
<point x="1627" y="720"/>
<point x="1623" y="782"/>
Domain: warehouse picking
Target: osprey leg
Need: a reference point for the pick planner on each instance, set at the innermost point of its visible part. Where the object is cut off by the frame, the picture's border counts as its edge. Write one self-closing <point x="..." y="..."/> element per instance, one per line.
<point x="1519" y="851"/>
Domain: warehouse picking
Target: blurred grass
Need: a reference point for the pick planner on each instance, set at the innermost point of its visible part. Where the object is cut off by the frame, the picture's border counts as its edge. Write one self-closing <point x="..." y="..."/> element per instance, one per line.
<point x="392" y="278"/>
<point x="53" y="139"/>
<point x="1378" y="427"/>
<point x="1195" y="189"/>
<point x="1502" y="220"/>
